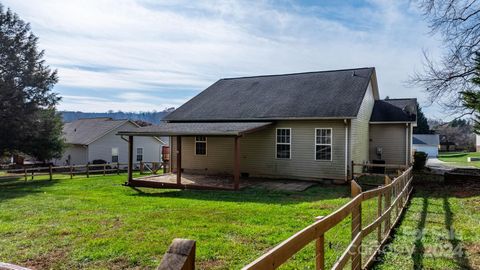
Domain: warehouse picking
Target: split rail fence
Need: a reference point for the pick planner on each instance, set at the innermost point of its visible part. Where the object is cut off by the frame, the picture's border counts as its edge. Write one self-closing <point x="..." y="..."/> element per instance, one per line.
<point x="87" y="170"/>
<point x="392" y="199"/>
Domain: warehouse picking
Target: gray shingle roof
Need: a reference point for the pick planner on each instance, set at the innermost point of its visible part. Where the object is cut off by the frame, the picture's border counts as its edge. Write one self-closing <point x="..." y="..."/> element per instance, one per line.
<point x="395" y="110"/>
<point x="204" y="128"/>
<point x="430" y="139"/>
<point x="85" y="131"/>
<point x="323" y="94"/>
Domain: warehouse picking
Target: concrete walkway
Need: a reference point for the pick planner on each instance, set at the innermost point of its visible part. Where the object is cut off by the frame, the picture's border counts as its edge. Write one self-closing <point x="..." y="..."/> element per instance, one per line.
<point x="440" y="167"/>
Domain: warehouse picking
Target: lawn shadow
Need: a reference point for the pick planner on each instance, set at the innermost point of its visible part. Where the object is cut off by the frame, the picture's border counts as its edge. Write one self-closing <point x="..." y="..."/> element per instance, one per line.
<point x="12" y="188"/>
<point x="459" y="253"/>
<point x="419" y="249"/>
<point x="253" y="194"/>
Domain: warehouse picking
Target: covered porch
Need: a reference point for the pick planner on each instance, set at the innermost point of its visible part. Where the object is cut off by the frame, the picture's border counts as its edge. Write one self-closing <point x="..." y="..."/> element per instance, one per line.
<point x="230" y="130"/>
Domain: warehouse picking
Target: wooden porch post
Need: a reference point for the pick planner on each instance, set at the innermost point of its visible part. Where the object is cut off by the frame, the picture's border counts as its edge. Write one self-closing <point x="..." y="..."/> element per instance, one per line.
<point x="236" y="164"/>
<point x="130" y="158"/>
<point x="179" y="160"/>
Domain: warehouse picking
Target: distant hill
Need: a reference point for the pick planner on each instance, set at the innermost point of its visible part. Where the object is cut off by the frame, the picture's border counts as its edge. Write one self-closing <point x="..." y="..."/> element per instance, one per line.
<point x="151" y="117"/>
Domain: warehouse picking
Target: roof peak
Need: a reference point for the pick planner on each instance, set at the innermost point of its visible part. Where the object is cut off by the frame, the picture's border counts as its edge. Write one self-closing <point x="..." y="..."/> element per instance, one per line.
<point x="297" y="73"/>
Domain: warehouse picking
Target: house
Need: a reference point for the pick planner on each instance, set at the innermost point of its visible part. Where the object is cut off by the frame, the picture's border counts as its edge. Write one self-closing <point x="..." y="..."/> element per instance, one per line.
<point x="428" y="143"/>
<point x="308" y="126"/>
<point x="94" y="139"/>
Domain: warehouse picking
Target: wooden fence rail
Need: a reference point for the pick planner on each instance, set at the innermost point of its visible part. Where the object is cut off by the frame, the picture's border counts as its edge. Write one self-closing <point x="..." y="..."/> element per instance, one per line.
<point x="87" y="169"/>
<point x="393" y="195"/>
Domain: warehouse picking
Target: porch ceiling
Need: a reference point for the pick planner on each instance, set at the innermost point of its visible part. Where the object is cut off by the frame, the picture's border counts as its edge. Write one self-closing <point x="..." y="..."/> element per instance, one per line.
<point x="198" y="128"/>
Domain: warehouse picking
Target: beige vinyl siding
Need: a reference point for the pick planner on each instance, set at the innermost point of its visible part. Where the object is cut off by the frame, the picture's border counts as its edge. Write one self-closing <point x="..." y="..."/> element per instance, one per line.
<point x="392" y="139"/>
<point x="360" y="128"/>
<point x="258" y="156"/>
<point x="77" y="154"/>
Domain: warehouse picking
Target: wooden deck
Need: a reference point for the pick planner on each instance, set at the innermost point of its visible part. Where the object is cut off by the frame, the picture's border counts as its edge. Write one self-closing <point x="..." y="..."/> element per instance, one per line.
<point x="216" y="182"/>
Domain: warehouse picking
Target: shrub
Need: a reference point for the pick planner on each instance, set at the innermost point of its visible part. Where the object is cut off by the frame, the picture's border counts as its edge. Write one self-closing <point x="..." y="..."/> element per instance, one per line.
<point x="99" y="161"/>
<point x="420" y="159"/>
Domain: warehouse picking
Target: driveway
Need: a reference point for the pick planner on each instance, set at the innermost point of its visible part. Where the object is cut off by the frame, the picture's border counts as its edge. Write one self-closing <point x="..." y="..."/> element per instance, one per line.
<point x="438" y="166"/>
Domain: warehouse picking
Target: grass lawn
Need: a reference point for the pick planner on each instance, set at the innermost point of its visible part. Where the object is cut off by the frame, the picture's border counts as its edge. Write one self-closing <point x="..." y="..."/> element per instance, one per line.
<point x="96" y="223"/>
<point x="440" y="230"/>
<point x="460" y="158"/>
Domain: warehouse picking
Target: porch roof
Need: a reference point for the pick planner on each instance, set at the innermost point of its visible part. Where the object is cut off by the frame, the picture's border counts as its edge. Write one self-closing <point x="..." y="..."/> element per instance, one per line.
<point x="197" y="128"/>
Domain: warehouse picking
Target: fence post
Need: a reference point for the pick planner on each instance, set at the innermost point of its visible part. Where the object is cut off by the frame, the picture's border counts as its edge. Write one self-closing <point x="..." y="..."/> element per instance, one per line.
<point x="379" y="214"/>
<point x="32" y="174"/>
<point x="388" y="202"/>
<point x="104" y="169"/>
<point x="50" y="171"/>
<point x="180" y="255"/>
<point x="25" y="172"/>
<point x="320" y="250"/>
<point x="71" y="172"/>
<point x="356" y="226"/>
<point x="118" y="168"/>
<point x="141" y="167"/>
<point x="88" y="173"/>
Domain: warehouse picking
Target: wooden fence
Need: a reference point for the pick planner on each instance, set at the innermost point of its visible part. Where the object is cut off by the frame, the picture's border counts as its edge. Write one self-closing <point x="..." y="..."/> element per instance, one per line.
<point x="87" y="169"/>
<point x="392" y="198"/>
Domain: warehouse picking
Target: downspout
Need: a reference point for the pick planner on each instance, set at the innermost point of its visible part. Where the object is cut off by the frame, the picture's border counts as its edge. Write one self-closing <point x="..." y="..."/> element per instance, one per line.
<point x="407" y="140"/>
<point x="346" y="149"/>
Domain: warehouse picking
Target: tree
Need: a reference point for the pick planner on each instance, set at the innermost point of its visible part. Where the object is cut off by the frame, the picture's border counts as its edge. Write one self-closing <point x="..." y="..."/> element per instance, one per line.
<point x="422" y="123"/>
<point x="458" y="23"/>
<point x="471" y="98"/>
<point x="28" y="123"/>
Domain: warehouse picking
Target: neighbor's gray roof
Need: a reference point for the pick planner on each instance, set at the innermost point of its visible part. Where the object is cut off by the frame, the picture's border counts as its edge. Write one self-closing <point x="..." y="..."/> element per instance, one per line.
<point x="199" y="128"/>
<point x="395" y="110"/>
<point x="430" y="139"/>
<point x="86" y="131"/>
<point x="323" y="94"/>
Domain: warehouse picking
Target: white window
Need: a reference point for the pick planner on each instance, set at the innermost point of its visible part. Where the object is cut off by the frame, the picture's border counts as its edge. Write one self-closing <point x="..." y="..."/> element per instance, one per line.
<point x="139" y="154"/>
<point x="201" y="145"/>
<point x="323" y="144"/>
<point x="283" y="141"/>
<point x="115" y="154"/>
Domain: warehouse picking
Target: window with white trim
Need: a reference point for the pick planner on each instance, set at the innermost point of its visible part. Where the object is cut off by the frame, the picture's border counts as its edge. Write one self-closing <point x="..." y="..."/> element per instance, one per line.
<point x="115" y="154"/>
<point x="200" y="145"/>
<point x="283" y="141"/>
<point x="139" y="154"/>
<point x="323" y="144"/>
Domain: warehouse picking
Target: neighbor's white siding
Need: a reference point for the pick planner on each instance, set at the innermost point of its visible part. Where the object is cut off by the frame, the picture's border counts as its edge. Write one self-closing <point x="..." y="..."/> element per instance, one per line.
<point x="76" y="153"/>
<point x="258" y="156"/>
<point x="360" y="128"/>
<point x="102" y="148"/>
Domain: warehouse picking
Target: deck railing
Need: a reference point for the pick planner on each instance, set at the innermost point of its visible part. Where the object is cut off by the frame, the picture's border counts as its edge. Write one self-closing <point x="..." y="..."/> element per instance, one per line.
<point x="86" y="169"/>
<point x="392" y="198"/>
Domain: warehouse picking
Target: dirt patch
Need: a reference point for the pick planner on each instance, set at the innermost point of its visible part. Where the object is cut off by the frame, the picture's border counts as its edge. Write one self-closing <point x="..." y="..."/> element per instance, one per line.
<point x="47" y="260"/>
<point x="211" y="264"/>
<point x="473" y="255"/>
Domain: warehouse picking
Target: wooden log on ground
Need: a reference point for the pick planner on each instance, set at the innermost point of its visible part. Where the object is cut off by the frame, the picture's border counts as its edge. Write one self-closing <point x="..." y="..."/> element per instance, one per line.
<point x="180" y="255"/>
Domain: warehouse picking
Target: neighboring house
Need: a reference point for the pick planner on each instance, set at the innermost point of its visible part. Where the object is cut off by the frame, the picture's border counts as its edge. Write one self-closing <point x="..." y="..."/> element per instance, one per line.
<point x="94" y="139"/>
<point x="302" y="126"/>
<point x="428" y="143"/>
<point x="477" y="142"/>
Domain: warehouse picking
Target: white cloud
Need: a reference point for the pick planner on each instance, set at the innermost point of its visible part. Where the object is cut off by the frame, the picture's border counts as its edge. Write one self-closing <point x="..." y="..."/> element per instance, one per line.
<point x="144" y="46"/>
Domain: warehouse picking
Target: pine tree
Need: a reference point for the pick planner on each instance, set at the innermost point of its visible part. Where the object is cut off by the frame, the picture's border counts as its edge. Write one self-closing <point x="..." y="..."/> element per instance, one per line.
<point x="422" y="123"/>
<point x="27" y="102"/>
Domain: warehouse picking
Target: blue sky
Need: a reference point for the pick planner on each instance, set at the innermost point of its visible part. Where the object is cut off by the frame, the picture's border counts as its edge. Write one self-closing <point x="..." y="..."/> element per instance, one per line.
<point x="144" y="55"/>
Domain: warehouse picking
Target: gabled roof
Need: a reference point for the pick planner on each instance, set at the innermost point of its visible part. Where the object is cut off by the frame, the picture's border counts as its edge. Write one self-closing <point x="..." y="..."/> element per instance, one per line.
<point x="395" y="110"/>
<point x="429" y="139"/>
<point x="323" y="94"/>
<point x="204" y="128"/>
<point x="85" y="131"/>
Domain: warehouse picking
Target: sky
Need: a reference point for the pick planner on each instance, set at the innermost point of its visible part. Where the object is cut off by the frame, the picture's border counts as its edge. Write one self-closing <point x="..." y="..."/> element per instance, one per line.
<point x="145" y="55"/>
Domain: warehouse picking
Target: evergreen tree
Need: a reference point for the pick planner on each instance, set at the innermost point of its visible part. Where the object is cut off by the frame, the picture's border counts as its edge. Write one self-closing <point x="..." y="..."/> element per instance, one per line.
<point x="422" y="123"/>
<point x="27" y="103"/>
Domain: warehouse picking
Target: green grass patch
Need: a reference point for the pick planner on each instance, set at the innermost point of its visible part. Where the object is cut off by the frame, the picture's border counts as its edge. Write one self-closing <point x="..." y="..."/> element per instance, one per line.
<point x="460" y="158"/>
<point x="439" y="230"/>
<point x="96" y="223"/>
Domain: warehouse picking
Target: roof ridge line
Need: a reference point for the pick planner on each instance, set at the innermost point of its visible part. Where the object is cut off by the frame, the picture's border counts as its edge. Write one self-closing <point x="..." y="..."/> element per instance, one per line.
<point x="296" y="73"/>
